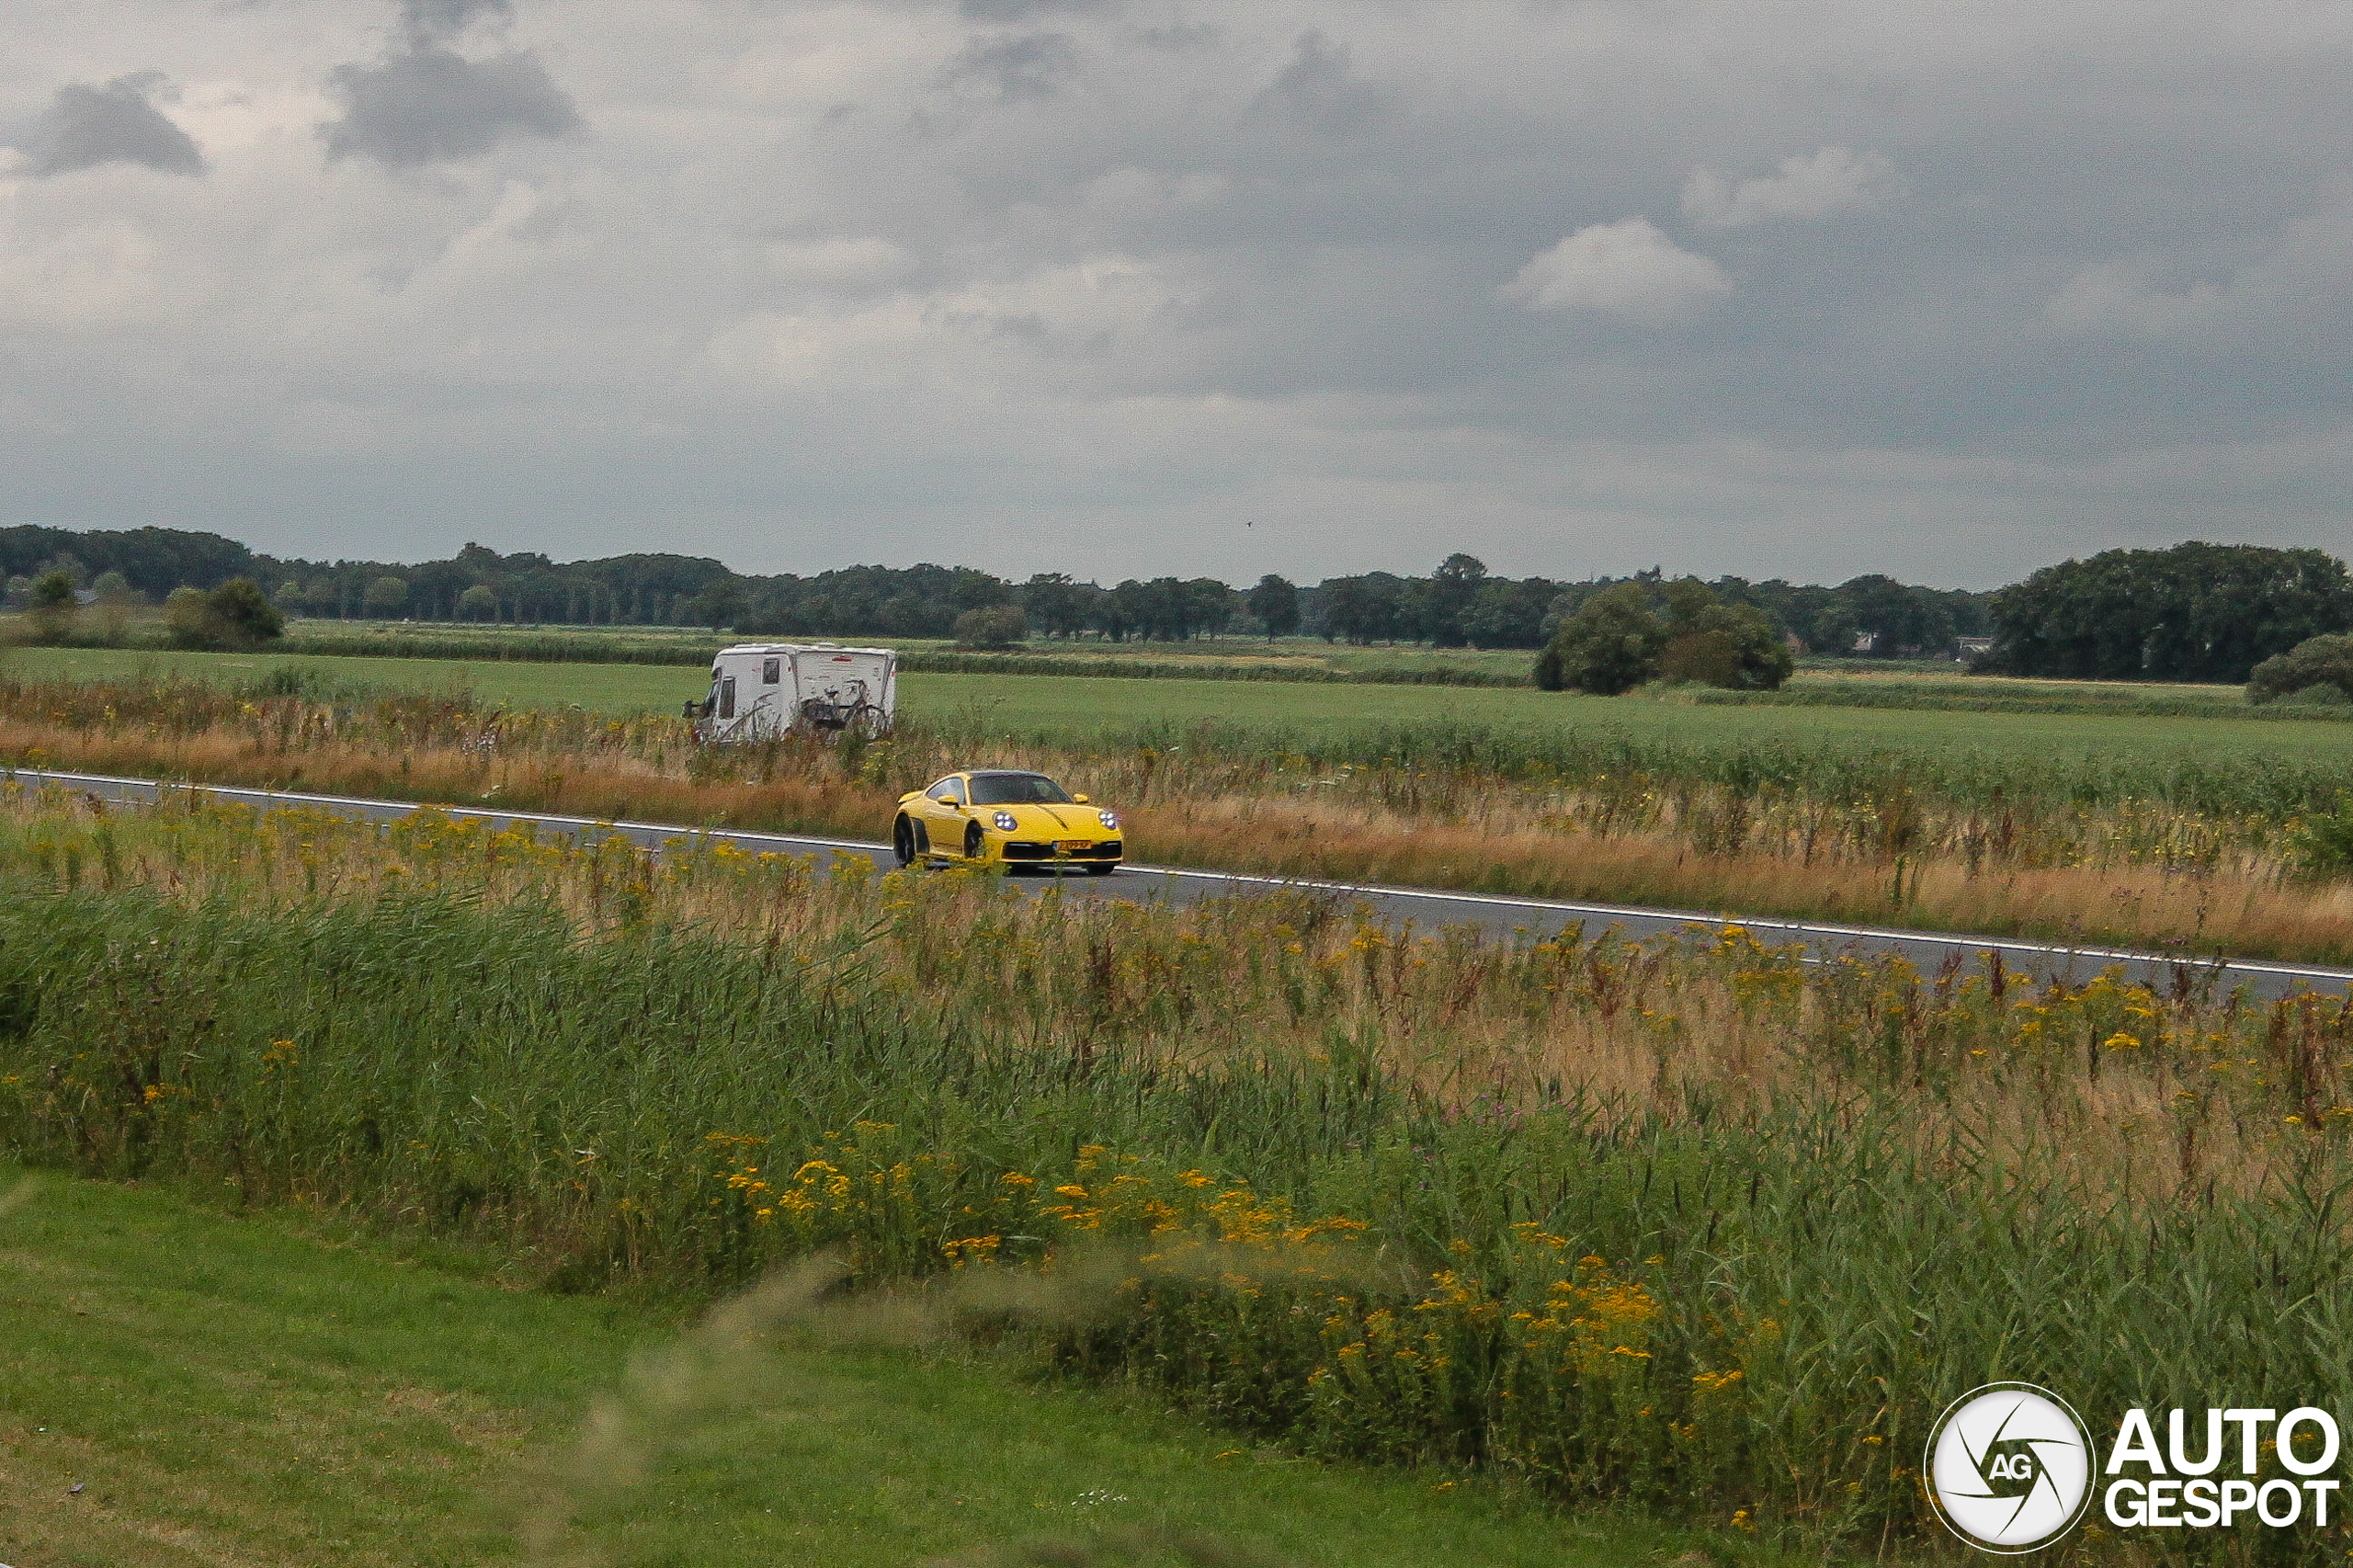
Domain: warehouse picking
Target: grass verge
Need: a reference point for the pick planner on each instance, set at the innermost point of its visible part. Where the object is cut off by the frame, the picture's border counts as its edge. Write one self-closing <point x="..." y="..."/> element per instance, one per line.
<point x="253" y="1392"/>
<point x="1689" y="1225"/>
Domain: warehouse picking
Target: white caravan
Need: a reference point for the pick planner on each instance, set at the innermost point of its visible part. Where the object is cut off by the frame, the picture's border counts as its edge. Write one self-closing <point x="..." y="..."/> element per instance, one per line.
<point x="760" y="691"/>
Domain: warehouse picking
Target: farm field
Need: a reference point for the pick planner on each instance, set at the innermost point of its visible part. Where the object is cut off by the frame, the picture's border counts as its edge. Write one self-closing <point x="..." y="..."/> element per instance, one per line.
<point x="275" y="1390"/>
<point x="1309" y="650"/>
<point x="1079" y="709"/>
<point x="687" y="645"/>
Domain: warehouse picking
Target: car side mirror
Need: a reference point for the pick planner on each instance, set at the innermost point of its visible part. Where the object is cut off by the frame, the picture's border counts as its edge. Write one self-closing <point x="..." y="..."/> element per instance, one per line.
<point x="1080" y="799"/>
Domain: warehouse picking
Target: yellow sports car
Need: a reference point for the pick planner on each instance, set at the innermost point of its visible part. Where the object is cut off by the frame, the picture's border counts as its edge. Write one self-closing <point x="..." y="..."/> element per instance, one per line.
<point x="1001" y="818"/>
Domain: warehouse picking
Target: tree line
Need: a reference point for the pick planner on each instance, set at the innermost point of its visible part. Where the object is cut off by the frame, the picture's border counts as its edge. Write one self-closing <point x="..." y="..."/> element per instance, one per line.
<point x="2195" y="612"/>
<point x="1458" y="604"/>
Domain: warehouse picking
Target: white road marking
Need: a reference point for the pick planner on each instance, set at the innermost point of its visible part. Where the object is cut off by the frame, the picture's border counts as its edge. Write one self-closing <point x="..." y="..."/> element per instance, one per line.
<point x="1800" y="929"/>
<point x="1848" y="933"/>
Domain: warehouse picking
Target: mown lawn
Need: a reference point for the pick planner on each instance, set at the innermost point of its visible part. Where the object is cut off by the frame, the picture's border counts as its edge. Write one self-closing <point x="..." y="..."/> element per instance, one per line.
<point x="1074" y="706"/>
<point x="181" y="1387"/>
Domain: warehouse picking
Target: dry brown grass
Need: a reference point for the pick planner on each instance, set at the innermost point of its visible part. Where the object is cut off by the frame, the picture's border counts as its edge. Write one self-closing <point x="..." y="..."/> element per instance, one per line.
<point x="2249" y="909"/>
<point x="1707" y="1023"/>
<point x="2179" y="883"/>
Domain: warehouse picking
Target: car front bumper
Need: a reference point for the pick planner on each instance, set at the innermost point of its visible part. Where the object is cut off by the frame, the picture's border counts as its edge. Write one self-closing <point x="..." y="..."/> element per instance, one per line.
<point x="1027" y="851"/>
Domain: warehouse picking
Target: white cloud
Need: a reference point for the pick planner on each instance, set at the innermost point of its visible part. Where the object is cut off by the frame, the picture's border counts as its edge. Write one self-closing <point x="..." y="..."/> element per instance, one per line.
<point x="103" y="277"/>
<point x="1627" y="269"/>
<point x="1130" y="194"/>
<point x="2117" y="298"/>
<point x="863" y="262"/>
<point x="2300" y="278"/>
<point x="1060" y="328"/>
<point x="1832" y="180"/>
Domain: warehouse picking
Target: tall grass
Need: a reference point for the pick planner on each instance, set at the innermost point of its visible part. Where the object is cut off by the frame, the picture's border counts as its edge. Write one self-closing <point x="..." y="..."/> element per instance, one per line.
<point x="1687" y="1224"/>
<point x="2241" y="855"/>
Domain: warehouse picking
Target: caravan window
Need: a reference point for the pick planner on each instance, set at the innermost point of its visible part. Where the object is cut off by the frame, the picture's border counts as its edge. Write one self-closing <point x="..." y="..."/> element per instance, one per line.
<point x="727" y="696"/>
<point x="771" y="671"/>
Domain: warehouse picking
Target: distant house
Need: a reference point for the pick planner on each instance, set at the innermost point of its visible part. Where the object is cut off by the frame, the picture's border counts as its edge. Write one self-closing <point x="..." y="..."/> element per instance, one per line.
<point x="1867" y="642"/>
<point x="1968" y="648"/>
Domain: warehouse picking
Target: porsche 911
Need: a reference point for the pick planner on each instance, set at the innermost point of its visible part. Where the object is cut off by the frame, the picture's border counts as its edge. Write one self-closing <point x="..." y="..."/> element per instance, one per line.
<point x="1004" y="819"/>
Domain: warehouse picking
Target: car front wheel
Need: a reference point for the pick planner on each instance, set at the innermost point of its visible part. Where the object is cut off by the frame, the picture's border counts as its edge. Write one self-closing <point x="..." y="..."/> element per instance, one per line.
<point x="902" y="842"/>
<point x="974" y="842"/>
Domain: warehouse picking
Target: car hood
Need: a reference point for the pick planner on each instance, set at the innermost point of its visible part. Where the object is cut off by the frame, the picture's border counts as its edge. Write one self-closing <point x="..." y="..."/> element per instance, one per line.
<point x="1061" y="820"/>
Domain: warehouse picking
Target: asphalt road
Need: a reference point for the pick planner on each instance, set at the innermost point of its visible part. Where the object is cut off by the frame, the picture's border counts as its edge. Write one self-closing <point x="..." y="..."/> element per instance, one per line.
<point x="1426" y="907"/>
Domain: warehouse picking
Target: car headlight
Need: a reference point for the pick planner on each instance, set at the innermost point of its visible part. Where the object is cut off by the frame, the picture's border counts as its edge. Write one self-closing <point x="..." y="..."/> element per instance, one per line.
<point x="1005" y="822"/>
<point x="1108" y="819"/>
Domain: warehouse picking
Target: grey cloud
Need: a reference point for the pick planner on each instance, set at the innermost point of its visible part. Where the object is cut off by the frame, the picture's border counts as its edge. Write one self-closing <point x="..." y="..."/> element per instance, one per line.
<point x="1022" y="10"/>
<point x="427" y="104"/>
<point x="1831" y="180"/>
<point x="429" y="20"/>
<point x="1013" y="67"/>
<point x="1317" y="92"/>
<point x="1182" y="38"/>
<point x="117" y="123"/>
<point x="2302" y="280"/>
<point x="1288" y="240"/>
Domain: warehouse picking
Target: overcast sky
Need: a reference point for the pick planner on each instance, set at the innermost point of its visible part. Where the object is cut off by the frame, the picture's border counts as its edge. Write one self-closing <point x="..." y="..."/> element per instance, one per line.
<point x="1135" y="287"/>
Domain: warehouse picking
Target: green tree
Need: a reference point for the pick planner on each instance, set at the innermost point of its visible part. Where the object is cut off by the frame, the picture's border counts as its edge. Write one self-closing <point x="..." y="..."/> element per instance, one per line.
<point x="2316" y="662"/>
<point x="1732" y="646"/>
<point x="237" y="614"/>
<point x="2195" y="612"/>
<point x="1895" y="615"/>
<point x="1685" y="601"/>
<point x="1361" y="609"/>
<point x="1444" y="600"/>
<point x="1054" y="603"/>
<point x="719" y="605"/>
<point x="186" y="618"/>
<point x="116" y="601"/>
<point x="997" y="626"/>
<point x="477" y="603"/>
<point x="1274" y="604"/>
<point x="1210" y="607"/>
<point x="49" y="614"/>
<point x="1507" y="614"/>
<point x="242" y="614"/>
<point x="1610" y="645"/>
<point x="386" y="596"/>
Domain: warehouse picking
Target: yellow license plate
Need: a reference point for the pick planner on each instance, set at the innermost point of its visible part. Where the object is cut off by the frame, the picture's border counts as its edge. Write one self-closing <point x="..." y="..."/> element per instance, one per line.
<point x="1071" y="845"/>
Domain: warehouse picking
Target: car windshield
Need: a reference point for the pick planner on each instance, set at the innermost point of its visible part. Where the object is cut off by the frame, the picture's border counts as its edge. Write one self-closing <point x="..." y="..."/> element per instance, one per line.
<point x="1016" y="789"/>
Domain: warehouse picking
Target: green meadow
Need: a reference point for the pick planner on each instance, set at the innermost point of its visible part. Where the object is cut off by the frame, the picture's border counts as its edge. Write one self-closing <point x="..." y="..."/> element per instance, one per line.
<point x="1073" y="708"/>
<point x="182" y="1386"/>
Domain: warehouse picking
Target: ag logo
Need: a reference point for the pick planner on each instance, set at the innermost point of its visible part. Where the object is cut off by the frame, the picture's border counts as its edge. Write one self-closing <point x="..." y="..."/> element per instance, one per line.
<point x="2010" y="1468"/>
